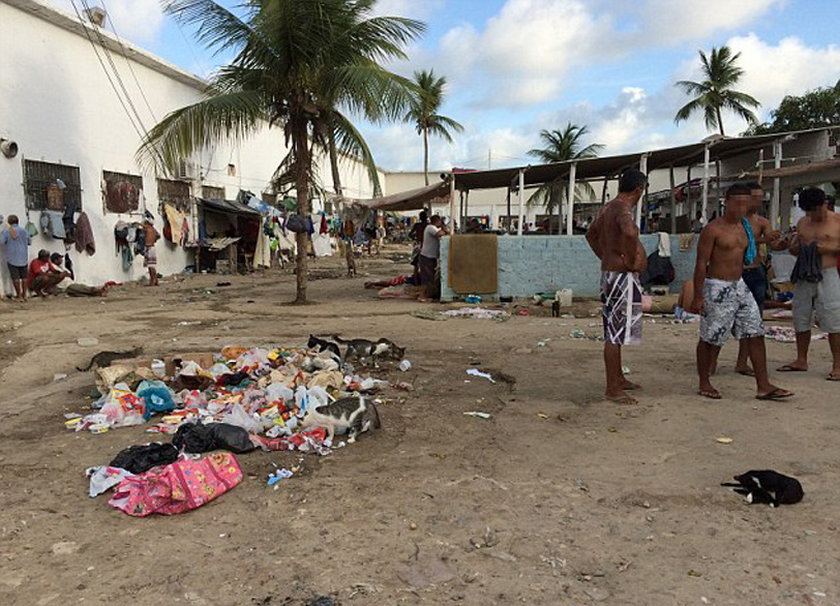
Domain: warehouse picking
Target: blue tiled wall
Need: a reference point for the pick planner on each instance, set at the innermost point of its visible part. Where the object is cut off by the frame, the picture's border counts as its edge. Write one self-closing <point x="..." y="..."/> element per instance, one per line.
<point x="532" y="264"/>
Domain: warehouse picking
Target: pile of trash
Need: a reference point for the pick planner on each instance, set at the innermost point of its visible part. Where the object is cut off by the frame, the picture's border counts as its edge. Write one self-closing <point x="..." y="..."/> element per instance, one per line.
<point x="477" y="313"/>
<point x="238" y="400"/>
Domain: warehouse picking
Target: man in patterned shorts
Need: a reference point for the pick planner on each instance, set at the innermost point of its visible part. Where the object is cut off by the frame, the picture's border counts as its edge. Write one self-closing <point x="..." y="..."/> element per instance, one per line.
<point x="723" y="299"/>
<point x="614" y="238"/>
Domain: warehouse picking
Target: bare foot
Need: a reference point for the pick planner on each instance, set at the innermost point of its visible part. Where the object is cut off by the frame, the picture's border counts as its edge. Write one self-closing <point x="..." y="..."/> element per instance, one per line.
<point x="621" y="398"/>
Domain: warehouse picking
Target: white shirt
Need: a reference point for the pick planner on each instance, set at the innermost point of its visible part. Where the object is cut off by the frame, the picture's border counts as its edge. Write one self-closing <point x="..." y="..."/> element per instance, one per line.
<point x="431" y="243"/>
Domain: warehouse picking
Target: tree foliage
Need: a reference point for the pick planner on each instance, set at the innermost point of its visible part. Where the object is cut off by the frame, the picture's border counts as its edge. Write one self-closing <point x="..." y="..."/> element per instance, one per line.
<point x="716" y="91"/>
<point x="814" y="109"/>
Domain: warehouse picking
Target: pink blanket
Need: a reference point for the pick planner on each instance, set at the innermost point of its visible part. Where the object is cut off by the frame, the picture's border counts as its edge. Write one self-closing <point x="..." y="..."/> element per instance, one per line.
<point x="178" y="487"/>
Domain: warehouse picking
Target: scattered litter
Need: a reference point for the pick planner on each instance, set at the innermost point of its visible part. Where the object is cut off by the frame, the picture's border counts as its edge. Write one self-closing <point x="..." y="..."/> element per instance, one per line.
<point x="625" y="370"/>
<point x="542" y="415"/>
<point x="787" y="334"/>
<point x="405" y="365"/>
<point x="477" y="313"/>
<point x="481" y="415"/>
<point x="543" y="343"/>
<point x="59" y="376"/>
<point x="474" y="372"/>
<point x="280" y="474"/>
<point x="87" y="341"/>
<point x="724" y="440"/>
<point x="523" y="312"/>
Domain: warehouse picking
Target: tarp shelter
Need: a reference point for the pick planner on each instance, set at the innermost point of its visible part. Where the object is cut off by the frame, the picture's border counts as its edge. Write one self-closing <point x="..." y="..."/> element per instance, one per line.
<point x="706" y="153"/>
<point x="238" y="226"/>
<point x="413" y="199"/>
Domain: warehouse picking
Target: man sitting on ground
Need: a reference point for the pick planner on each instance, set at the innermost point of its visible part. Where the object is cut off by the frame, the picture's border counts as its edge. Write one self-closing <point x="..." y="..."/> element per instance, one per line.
<point x="723" y="299"/>
<point x="46" y="273"/>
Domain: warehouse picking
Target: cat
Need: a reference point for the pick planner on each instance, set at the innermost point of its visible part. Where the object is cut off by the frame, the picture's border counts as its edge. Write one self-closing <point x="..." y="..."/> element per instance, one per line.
<point x="362" y="349"/>
<point x="767" y="486"/>
<point x="105" y="358"/>
<point x="323" y="345"/>
<point x="352" y="415"/>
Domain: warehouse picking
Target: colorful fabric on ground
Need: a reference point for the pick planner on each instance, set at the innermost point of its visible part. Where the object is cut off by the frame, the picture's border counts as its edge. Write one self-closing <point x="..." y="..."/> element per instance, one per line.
<point x="184" y="485"/>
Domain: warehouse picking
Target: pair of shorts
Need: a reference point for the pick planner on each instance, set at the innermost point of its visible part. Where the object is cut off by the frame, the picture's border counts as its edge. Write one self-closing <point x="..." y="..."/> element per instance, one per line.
<point x="756" y="280"/>
<point x="18" y="272"/>
<point x="150" y="257"/>
<point x="621" y="296"/>
<point x="730" y="308"/>
<point x="821" y="297"/>
<point x="427" y="267"/>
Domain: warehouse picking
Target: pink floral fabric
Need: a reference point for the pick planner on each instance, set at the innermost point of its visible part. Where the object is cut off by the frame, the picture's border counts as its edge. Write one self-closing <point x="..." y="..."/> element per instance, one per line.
<point x="178" y="487"/>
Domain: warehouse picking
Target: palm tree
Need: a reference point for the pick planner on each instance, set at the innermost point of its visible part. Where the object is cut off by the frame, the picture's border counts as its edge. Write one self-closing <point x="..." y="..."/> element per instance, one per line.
<point x="716" y="92"/>
<point x="301" y="65"/>
<point x="561" y="146"/>
<point x="428" y="97"/>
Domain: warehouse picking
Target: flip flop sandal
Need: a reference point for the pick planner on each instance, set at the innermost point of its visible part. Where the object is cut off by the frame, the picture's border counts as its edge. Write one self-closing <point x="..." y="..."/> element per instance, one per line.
<point x="776" y="394"/>
<point x="790" y="368"/>
<point x="712" y="395"/>
<point x="747" y="372"/>
<point x="832" y="377"/>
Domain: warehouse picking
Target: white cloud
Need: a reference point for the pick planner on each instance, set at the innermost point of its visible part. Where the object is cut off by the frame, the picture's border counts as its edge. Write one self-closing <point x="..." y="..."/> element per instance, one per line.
<point x="415" y="9"/>
<point x="139" y="21"/>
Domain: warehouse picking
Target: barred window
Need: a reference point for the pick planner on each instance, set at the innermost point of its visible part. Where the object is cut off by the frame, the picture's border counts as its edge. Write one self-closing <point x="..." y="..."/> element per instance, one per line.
<point x="174" y="192"/>
<point x="122" y="192"/>
<point x="47" y="185"/>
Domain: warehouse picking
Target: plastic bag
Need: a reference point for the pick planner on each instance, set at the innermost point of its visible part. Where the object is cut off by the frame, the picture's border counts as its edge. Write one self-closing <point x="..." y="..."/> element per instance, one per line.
<point x="237" y="416"/>
<point x="279" y="391"/>
<point x="192" y="437"/>
<point x="143" y="457"/>
<point x="157" y="397"/>
<point x="123" y="408"/>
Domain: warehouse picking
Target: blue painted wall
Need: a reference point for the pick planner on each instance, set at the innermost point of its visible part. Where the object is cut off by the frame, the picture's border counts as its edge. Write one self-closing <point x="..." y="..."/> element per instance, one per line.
<point x="532" y="264"/>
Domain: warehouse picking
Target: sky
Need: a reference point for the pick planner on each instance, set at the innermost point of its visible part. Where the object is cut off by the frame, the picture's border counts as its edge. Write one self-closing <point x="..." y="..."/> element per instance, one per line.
<point x="516" y="67"/>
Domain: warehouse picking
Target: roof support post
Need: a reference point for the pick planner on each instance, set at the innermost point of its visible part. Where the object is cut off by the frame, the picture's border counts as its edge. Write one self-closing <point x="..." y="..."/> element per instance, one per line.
<point x="775" y="201"/>
<point x="570" y="200"/>
<point x="466" y="209"/>
<point x="705" y="200"/>
<point x="452" y="206"/>
<point x="521" y="200"/>
<point x="643" y="202"/>
<point x="509" y="222"/>
<point x="673" y="200"/>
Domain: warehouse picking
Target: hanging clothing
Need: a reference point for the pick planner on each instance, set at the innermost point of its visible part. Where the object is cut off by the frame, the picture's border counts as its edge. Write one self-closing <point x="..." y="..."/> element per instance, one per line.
<point x="808" y="267"/>
<point x="262" y="253"/>
<point x="751" y="251"/>
<point x="52" y="224"/>
<point x="176" y="220"/>
<point x="324" y="227"/>
<point x="68" y="265"/>
<point x="127" y="258"/>
<point x="84" y="235"/>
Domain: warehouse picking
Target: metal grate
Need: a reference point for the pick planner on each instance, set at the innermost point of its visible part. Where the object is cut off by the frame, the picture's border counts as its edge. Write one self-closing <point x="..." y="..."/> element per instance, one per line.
<point x="122" y="192"/>
<point x="41" y="177"/>
<point x="176" y="193"/>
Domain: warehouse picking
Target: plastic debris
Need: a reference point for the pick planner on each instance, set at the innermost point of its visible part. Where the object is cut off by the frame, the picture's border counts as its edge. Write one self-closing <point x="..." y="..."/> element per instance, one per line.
<point x="724" y="440"/>
<point x="87" y="341"/>
<point x="480" y="415"/>
<point x="405" y="365"/>
<point x="474" y="372"/>
<point x="280" y="474"/>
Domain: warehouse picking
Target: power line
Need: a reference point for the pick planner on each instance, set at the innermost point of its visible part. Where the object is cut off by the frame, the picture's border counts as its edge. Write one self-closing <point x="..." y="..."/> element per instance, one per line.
<point x="130" y="68"/>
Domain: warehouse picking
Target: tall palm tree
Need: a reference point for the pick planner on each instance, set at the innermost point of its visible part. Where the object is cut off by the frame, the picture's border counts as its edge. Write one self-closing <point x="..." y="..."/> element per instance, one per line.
<point x="715" y="93"/>
<point x="560" y="146"/>
<point x="428" y="97"/>
<point x="301" y="65"/>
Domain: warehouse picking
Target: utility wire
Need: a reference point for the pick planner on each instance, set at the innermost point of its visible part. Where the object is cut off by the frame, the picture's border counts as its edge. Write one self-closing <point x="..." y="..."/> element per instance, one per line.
<point x="130" y="67"/>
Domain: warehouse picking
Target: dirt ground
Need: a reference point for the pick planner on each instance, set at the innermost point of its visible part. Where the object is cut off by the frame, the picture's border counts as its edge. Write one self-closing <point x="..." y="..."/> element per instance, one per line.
<point x="558" y="498"/>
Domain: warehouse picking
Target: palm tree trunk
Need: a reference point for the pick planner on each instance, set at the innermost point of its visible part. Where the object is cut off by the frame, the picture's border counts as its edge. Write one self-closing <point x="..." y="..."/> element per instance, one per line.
<point x="720" y="121"/>
<point x="336" y="175"/>
<point x="426" y="155"/>
<point x="304" y="167"/>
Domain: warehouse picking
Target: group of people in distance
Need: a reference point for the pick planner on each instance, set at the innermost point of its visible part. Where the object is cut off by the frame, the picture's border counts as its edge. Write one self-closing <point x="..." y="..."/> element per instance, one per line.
<point x="729" y="284"/>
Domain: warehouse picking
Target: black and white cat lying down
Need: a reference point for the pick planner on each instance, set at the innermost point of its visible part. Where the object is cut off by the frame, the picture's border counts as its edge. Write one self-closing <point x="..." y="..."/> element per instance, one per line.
<point x="767" y="486"/>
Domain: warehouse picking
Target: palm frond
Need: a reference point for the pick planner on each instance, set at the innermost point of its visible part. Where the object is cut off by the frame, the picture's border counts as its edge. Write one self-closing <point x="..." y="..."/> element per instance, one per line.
<point x="350" y="141"/>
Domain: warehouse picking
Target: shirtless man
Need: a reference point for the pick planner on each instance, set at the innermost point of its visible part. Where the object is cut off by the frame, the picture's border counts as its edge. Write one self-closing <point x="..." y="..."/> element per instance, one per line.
<point x="823" y="227"/>
<point x="614" y="238"/>
<point x="755" y="274"/>
<point x="723" y="300"/>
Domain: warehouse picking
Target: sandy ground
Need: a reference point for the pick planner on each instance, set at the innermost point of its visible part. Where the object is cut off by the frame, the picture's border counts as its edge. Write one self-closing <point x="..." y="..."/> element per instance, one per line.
<point x="559" y="498"/>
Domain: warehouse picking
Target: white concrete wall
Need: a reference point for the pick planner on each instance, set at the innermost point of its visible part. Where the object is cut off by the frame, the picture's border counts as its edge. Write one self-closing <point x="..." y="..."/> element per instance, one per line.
<point x="57" y="104"/>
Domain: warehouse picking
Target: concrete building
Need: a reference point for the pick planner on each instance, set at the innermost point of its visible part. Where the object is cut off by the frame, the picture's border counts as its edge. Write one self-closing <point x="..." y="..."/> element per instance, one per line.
<point x="75" y="100"/>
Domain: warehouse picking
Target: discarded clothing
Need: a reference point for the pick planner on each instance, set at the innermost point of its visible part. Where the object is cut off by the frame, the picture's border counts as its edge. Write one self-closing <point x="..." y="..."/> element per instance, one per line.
<point x="184" y="485"/>
<point x="195" y="438"/>
<point x="104" y="477"/>
<point x="84" y="235"/>
<point x="808" y="267"/>
<point x="141" y="458"/>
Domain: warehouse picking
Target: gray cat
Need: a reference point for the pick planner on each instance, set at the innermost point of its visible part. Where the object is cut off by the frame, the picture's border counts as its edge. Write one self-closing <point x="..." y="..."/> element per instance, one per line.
<point x="363" y="349"/>
<point x="105" y="358"/>
<point x="346" y="415"/>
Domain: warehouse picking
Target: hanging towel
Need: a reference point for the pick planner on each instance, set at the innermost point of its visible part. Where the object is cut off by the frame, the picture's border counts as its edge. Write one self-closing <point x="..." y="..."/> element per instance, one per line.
<point x="807" y="267"/>
<point x="84" y="235"/>
<point x="752" y="251"/>
<point x="176" y="221"/>
<point x="55" y="221"/>
<point x="262" y="254"/>
<point x="664" y="244"/>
